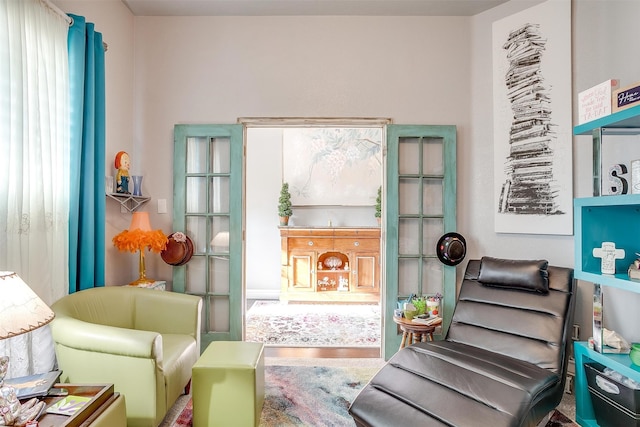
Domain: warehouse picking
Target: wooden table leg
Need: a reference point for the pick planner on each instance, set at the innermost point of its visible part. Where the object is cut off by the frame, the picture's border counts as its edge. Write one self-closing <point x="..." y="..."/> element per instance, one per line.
<point x="404" y="340"/>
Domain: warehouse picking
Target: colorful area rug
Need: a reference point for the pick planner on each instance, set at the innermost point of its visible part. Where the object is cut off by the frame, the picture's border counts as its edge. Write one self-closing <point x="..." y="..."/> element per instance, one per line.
<point x="305" y="396"/>
<point x="313" y="325"/>
<point x="317" y="396"/>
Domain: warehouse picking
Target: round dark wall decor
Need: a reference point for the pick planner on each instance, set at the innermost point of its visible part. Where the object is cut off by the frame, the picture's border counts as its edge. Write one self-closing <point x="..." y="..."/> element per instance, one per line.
<point x="179" y="249"/>
<point x="451" y="248"/>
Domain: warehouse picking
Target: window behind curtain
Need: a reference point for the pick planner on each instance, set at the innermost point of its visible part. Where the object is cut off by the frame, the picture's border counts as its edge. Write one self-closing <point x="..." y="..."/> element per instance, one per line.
<point x="34" y="135"/>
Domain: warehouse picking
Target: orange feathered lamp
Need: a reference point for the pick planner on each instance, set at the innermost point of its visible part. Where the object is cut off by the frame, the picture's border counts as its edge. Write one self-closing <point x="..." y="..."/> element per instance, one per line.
<point x="139" y="237"/>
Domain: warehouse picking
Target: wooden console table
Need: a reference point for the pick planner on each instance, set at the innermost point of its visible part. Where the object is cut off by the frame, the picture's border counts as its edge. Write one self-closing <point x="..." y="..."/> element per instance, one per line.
<point x="330" y="264"/>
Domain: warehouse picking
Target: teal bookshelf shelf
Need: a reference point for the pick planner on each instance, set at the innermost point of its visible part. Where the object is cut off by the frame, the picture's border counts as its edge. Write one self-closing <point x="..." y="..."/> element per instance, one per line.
<point x="600" y="219"/>
<point x="629" y="118"/>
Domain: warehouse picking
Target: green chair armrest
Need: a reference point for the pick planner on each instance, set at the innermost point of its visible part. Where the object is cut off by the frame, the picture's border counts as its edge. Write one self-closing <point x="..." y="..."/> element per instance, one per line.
<point x="169" y="313"/>
<point x="92" y="337"/>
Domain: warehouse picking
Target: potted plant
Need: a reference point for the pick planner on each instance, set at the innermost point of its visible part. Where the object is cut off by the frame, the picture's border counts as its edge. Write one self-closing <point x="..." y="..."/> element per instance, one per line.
<point x="284" y="204"/>
<point x="379" y="205"/>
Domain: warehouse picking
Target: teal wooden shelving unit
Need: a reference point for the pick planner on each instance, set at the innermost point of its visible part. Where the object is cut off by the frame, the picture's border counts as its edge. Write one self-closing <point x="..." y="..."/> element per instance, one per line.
<point x="596" y="220"/>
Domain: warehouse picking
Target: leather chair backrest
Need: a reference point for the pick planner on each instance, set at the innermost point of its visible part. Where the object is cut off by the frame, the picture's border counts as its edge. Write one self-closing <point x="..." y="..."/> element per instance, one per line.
<point x="530" y="325"/>
<point x="109" y="306"/>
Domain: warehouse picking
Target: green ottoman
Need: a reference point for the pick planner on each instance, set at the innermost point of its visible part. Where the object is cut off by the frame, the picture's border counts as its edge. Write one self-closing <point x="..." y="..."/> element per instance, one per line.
<point x="228" y="384"/>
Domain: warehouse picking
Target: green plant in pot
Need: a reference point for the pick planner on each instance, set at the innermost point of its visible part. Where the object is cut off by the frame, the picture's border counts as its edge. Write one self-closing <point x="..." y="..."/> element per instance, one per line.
<point x="379" y="204"/>
<point x="420" y="303"/>
<point x="284" y="204"/>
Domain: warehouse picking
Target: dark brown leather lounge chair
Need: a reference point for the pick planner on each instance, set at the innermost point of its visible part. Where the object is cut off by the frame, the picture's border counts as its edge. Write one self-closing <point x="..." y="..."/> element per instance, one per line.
<point x="503" y="361"/>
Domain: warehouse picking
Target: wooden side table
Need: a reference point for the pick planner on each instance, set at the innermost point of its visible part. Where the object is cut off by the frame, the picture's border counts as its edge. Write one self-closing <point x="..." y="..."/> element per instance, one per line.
<point x="413" y="332"/>
<point x="106" y="407"/>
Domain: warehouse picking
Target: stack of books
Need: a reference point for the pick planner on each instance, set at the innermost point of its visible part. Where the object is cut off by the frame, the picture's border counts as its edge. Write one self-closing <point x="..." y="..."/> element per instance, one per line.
<point x="528" y="188"/>
<point x="429" y="321"/>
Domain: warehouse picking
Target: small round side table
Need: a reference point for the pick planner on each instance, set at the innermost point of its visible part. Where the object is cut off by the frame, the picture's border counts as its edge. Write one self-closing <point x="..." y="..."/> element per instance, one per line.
<point x="413" y="332"/>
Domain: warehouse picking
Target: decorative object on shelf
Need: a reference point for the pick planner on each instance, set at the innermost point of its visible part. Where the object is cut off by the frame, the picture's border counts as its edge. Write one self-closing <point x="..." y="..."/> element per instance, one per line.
<point x="108" y="184"/>
<point x="635" y="353"/>
<point x="614" y="342"/>
<point x="21" y="311"/>
<point x="634" y="269"/>
<point x="378" y="213"/>
<point x="433" y="303"/>
<point x="333" y="262"/>
<point x="137" y="185"/>
<point x="451" y="249"/>
<point x="140" y="237"/>
<point x="635" y="176"/>
<point x="409" y="311"/>
<point x="122" y="164"/>
<point x="179" y="249"/>
<point x="608" y="255"/>
<point x="326" y="283"/>
<point x="626" y="97"/>
<point x="618" y="184"/>
<point x="284" y="204"/>
<point x="420" y="303"/>
<point x="595" y="102"/>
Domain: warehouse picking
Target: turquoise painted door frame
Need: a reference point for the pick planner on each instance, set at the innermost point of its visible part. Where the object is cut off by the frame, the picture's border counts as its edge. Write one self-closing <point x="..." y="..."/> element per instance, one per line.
<point x="419" y="195"/>
<point x="420" y="206"/>
<point x="208" y="207"/>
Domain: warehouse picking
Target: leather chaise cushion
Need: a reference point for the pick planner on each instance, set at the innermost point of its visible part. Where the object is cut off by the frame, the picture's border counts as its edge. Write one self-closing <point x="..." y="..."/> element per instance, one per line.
<point x="502" y="363"/>
<point x="447" y="383"/>
<point x="520" y="275"/>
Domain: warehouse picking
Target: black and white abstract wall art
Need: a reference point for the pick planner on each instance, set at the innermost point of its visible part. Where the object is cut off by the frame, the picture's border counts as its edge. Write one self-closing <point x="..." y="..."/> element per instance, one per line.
<point x="532" y="120"/>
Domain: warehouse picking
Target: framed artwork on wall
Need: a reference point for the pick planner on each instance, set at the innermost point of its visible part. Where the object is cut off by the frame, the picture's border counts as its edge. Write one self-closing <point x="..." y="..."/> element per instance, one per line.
<point x="329" y="166"/>
<point x="532" y="121"/>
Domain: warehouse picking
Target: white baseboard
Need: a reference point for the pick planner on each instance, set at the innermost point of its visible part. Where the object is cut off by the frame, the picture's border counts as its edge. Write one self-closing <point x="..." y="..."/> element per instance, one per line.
<point x="263" y="294"/>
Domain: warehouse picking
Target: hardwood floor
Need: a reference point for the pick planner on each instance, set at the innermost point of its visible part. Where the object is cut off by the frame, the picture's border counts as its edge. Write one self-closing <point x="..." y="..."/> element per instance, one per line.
<point x="322" y="352"/>
<point x="319" y="352"/>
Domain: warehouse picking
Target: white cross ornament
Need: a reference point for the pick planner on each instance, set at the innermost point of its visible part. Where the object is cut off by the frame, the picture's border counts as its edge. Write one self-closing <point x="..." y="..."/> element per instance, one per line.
<point x="609" y="254"/>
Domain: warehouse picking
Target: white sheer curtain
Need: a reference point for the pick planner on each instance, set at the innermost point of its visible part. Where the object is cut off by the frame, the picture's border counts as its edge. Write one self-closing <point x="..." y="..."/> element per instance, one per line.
<point x="34" y="135"/>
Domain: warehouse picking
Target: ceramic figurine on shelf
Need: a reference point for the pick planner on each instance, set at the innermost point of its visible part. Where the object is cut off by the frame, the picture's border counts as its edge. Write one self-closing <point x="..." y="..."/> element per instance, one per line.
<point x="122" y="163"/>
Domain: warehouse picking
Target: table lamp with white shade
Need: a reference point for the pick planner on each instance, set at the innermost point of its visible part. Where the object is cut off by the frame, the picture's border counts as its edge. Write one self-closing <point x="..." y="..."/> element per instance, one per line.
<point x="21" y="311"/>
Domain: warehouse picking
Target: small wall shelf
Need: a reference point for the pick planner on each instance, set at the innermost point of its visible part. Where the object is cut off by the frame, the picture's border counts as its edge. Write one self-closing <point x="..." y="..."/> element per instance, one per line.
<point x="128" y="201"/>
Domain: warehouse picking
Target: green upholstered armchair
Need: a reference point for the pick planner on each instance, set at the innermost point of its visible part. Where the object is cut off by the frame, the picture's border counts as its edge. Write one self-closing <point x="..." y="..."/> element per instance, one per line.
<point x="143" y="341"/>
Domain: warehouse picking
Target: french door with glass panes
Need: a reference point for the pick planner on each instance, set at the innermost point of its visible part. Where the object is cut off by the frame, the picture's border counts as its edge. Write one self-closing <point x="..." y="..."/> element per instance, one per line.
<point x="420" y="192"/>
<point x="208" y="161"/>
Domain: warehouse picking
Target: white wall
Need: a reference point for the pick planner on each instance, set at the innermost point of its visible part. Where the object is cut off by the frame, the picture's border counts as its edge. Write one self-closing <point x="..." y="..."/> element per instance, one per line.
<point x="426" y="70"/>
<point x="601" y="36"/>
<point x="216" y="69"/>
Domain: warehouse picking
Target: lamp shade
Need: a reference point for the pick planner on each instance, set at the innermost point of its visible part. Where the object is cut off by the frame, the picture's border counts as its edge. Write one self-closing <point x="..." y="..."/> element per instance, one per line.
<point x="140" y="221"/>
<point x="21" y="310"/>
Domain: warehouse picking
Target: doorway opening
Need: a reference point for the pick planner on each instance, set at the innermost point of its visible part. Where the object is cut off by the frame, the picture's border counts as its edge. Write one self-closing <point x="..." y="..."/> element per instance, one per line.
<point x="275" y="274"/>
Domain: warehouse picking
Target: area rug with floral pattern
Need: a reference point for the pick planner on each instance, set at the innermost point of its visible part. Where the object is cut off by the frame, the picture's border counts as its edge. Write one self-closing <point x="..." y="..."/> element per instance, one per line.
<point x="314" y="396"/>
<point x="313" y="325"/>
